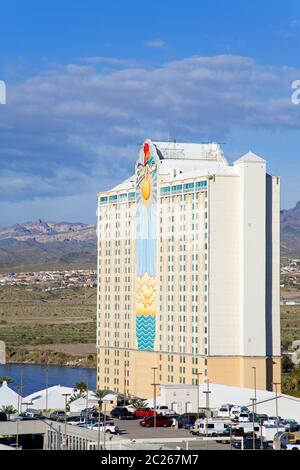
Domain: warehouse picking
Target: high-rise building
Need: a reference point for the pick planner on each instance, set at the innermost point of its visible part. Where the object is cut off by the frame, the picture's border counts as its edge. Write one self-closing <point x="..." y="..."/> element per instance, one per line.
<point x="188" y="271"/>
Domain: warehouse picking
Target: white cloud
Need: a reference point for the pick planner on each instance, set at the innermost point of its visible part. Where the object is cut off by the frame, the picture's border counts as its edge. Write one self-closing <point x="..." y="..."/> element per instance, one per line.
<point x="76" y="127"/>
<point x="156" y="43"/>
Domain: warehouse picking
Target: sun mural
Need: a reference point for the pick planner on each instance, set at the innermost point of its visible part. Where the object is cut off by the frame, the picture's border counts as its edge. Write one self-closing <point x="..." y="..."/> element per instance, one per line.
<point x="146" y="240"/>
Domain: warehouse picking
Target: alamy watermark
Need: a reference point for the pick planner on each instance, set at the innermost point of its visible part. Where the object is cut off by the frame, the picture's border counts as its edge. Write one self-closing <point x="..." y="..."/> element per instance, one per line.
<point x="2" y="92"/>
<point x="296" y="95"/>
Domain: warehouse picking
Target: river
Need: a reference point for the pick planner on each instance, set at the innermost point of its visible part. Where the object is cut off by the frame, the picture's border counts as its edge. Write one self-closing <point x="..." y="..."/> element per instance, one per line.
<point x="34" y="376"/>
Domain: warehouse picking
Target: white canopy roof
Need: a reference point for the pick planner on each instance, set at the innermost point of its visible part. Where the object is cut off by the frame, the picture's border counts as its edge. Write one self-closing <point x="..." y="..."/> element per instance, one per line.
<point x="8" y="397"/>
<point x="288" y="406"/>
<point x="56" y="400"/>
<point x="80" y="403"/>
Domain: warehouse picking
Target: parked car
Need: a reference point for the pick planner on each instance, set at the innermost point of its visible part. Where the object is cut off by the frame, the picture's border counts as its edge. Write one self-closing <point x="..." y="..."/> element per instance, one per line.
<point x="187" y="420"/>
<point x="174" y="417"/>
<point x="248" y="443"/>
<point x="130" y="408"/>
<point x="262" y="418"/>
<point x="163" y="410"/>
<point x="109" y="427"/>
<point x="294" y="426"/>
<point x="224" y="410"/>
<point x="76" y="420"/>
<point x="3" y="417"/>
<point x="273" y="420"/>
<point x="161" y="421"/>
<point x="245" y="417"/>
<point x="236" y="410"/>
<point x="121" y="413"/>
<point x="58" y="416"/>
<point x="143" y="412"/>
<point x="292" y="445"/>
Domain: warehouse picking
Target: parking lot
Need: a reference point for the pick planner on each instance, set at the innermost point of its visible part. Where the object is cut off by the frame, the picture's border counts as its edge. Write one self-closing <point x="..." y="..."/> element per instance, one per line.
<point x="170" y="438"/>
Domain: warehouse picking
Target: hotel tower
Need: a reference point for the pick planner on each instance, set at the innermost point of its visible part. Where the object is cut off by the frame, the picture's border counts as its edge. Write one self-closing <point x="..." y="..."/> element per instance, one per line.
<point x="188" y="272"/>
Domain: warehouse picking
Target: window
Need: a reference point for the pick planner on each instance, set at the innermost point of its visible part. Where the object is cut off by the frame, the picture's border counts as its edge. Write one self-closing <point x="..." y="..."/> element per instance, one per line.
<point x="201" y="184"/>
<point x="165" y="191"/>
<point x="188" y="187"/>
<point x="177" y="188"/>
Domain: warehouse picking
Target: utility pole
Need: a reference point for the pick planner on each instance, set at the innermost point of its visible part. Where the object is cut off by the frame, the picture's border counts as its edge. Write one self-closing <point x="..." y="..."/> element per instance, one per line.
<point x="198" y="392"/>
<point x="276" y="402"/>
<point x="100" y="402"/>
<point x="125" y="370"/>
<point x="18" y="420"/>
<point x="66" y="395"/>
<point x="254" y="372"/>
<point x="253" y="431"/>
<point x="47" y="384"/>
<point x="154" y="385"/>
<point x="87" y="391"/>
<point x="104" y="425"/>
<point x="207" y="392"/>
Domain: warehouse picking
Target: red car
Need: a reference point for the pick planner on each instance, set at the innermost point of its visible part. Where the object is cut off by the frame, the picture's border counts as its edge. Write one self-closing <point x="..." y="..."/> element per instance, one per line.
<point x="143" y="412"/>
<point x="161" y="422"/>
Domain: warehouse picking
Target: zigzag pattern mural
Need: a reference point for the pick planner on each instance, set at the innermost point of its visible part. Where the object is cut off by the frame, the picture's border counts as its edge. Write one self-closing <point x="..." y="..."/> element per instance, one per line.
<point x="145" y="327"/>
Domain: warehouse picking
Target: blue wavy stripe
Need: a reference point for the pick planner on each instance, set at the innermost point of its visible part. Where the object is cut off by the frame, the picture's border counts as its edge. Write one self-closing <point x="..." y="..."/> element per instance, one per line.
<point x="145" y="332"/>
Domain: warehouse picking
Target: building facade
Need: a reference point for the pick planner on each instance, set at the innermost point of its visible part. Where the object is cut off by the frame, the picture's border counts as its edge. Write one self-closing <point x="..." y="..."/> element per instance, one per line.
<point x="188" y="272"/>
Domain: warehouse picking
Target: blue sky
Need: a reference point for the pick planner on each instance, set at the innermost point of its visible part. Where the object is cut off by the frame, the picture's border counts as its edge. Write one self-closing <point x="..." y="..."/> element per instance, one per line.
<point x="87" y="81"/>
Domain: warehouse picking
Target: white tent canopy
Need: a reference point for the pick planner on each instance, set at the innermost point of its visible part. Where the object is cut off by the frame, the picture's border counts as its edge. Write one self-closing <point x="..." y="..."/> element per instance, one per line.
<point x="8" y="397"/>
<point x="81" y="403"/>
<point x="182" y="398"/>
<point x="55" y="399"/>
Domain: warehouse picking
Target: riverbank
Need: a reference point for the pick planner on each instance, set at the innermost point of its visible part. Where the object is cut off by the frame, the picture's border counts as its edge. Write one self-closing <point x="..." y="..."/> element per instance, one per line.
<point x="48" y="356"/>
<point x="48" y="327"/>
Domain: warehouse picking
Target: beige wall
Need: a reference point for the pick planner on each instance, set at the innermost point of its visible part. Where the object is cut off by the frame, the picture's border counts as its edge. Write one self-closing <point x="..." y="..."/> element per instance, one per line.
<point x="238" y="371"/>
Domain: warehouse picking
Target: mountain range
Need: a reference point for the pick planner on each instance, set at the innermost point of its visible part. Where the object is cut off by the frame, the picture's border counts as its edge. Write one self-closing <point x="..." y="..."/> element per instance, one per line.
<point x="54" y="245"/>
<point x="47" y="245"/>
<point x="290" y="231"/>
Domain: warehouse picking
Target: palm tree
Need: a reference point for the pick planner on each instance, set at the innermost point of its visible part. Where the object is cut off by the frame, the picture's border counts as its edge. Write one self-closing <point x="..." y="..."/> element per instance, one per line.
<point x="100" y="394"/>
<point x="74" y="397"/>
<point x="6" y="379"/>
<point x="80" y="387"/>
<point x="8" y="409"/>
<point x="138" y="402"/>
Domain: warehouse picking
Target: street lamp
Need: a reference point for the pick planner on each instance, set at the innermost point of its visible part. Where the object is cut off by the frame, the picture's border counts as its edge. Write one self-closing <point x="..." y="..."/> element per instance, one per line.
<point x="276" y="402"/>
<point x="207" y="392"/>
<point x="198" y="392"/>
<point x="125" y="378"/>
<point x="253" y="430"/>
<point x="47" y="384"/>
<point x="66" y="395"/>
<point x="254" y="372"/>
<point x="87" y="390"/>
<point x="154" y="385"/>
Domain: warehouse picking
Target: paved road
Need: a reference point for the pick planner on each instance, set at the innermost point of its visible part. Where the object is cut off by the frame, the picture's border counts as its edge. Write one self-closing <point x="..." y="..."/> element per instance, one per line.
<point x="132" y="430"/>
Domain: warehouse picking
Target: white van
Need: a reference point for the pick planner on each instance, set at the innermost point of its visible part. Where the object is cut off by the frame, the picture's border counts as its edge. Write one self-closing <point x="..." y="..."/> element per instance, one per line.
<point x="245" y="417"/>
<point x="236" y="410"/>
<point x="224" y="410"/>
<point x="214" y="427"/>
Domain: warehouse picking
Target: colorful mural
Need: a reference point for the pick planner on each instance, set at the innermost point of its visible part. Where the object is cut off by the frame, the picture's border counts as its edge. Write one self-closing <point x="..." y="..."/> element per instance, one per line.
<point x="146" y="245"/>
